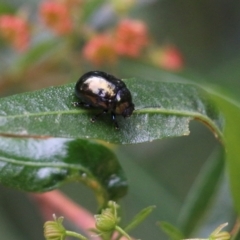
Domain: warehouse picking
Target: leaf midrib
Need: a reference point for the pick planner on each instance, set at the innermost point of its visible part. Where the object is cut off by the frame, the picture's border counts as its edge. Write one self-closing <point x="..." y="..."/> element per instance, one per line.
<point x="42" y="164"/>
<point x="145" y="110"/>
<point x="191" y="114"/>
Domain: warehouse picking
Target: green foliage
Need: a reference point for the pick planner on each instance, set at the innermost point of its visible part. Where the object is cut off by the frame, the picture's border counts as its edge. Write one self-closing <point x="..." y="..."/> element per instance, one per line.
<point x="201" y="193"/>
<point x="172" y="232"/>
<point x="107" y="225"/>
<point x="231" y="111"/>
<point x="162" y="110"/>
<point x="35" y="159"/>
<point x="140" y="217"/>
<point x="175" y="234"/>
<point x="45" y="140"/>
<point x="40" y="165"/>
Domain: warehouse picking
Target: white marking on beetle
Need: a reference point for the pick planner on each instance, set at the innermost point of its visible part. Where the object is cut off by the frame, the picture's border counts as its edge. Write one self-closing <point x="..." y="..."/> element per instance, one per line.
<point x="100" y="86"/>
<point x="118" y="97"/>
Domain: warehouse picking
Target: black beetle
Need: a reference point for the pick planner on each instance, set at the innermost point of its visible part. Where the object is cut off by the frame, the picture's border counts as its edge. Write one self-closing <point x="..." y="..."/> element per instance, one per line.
<point x="101" y="90"/>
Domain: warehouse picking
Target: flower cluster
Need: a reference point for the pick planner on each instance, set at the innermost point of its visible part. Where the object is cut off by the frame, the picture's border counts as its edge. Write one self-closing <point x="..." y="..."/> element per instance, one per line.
<point x="129" y="38"/>
<point x="54" y="230"/>
<point x="107" y="221"/>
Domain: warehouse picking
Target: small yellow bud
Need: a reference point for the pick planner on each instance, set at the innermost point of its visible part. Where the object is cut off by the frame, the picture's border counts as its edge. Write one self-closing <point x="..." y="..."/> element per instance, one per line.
<point x="54" y="230"/>
<point x="221" y="236"/>
<point x="106" y="221"/>
<point x="218" y="235"/>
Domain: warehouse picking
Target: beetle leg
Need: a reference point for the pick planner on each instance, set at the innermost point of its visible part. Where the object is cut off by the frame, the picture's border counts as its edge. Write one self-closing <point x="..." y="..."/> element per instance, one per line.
<point x="114" y="120"/>
<point x="81" y="104"/>
<point x="93" y="119"/>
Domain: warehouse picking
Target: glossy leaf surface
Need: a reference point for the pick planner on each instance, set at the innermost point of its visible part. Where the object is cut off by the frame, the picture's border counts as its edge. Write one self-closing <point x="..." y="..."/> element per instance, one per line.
<point x="162" y="110"/>
<point x="231" y="110"/>
<point x="45" y="164"/>
<point x="37" y="128"/>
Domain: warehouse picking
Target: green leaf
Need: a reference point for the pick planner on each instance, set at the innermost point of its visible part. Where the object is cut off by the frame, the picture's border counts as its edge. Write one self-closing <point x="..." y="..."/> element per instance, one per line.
<point x="45" y="164"/>
<point x="172" y="232"/>
<point x="162" y="110"/>
<point x="202" y="192"/>
<point x="29" y="119"/>
<point x="231" y="111"/>
<point x="140" y="217"/>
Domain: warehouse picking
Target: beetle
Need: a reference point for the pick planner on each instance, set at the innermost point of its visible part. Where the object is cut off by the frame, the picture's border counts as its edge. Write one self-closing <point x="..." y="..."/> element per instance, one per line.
<point x="97" y="89"/>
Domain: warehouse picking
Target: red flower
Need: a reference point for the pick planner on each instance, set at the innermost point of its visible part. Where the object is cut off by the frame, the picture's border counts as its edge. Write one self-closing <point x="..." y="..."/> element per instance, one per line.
<point x="171" y="59"/>
<point x="131" y="38"/>
<point x="15" y="30"/>
<point x="56" y="16"/>
<point x="100" y="50"/>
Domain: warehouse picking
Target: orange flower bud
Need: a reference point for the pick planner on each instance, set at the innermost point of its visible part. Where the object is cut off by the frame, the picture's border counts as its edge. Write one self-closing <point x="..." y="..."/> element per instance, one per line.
<point x="131" y="38"/>
<point x="15" y="30"/>
<point x="56" y="16"/>
<point x="171" y="59"/>
<point x="100" y="50"/>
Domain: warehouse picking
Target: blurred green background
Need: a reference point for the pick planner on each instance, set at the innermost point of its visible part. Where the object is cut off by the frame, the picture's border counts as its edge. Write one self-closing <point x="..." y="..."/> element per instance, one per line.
<point x="162" y="172"/>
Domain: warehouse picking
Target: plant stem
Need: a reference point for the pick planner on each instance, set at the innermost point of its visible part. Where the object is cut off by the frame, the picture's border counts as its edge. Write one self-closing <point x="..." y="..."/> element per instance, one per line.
<point x="120" y="230"/>
<point x="76" y="235"/>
